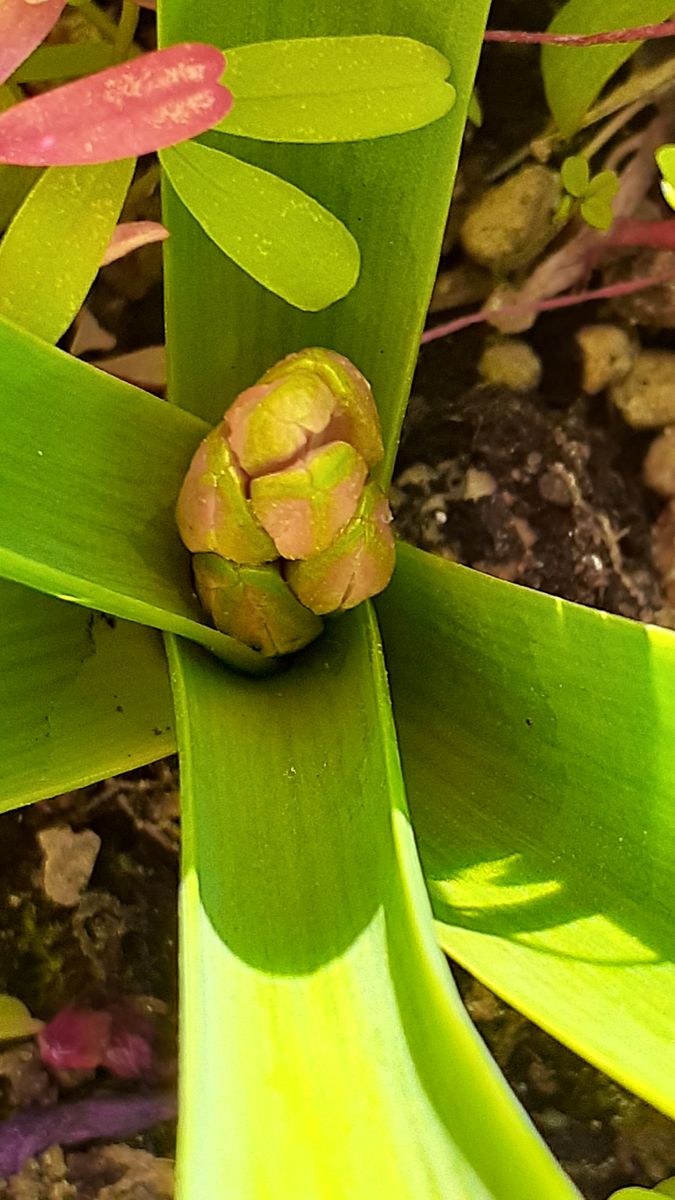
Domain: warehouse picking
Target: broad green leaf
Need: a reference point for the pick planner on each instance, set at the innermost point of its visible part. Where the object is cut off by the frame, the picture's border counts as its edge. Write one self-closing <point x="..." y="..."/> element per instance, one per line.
<point x="325" y="1054"/>
<point x="538" y="741"/>
<point x="393" y="194"/>
<point x="273" y="231"/>
<point x="91" y="468"/>
<point x="15" y="184"/>
<point x="83" y="696"/>
<point x="575" y="75"/>
<point x="54" y="245"/>
<point x="335" y="89"/>
<point x="65" y="61"/>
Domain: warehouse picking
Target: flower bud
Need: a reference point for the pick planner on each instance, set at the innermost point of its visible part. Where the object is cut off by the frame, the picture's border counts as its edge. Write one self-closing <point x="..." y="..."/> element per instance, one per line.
<point x="254" y="605"/>
<point x="213" y="512"/>
<point x="358" y="564"/>
<point x="271" y="423"/>
<point x="304" y="507"/>
<point x="277" y="509"/>
<point x="355" y="419"/>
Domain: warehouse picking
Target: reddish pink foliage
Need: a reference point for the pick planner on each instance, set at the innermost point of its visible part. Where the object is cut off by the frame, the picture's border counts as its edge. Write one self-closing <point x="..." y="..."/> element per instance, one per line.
<point x="641" y="33"/>
<point x="75" y="1040"/>
<point x="23" y="25"/>
<point x="142" y="105"/>
<point x="119" y="1039"/>
<point x="130" y="235"/>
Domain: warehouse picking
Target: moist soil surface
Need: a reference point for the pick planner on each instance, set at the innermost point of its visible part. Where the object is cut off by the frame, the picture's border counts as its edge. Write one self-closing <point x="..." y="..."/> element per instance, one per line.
<point x="543" y="488"/>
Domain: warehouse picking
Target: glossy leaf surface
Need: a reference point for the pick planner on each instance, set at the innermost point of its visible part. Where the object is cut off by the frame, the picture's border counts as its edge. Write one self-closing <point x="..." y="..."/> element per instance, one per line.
<point x="91" y="471"/>
<point x="335" y="89"/>
<point x="54" y="246"/>
<point x="276" y="233"/>
<point x="22" y="27"/>
<point x="538" y="740"/>
<point x="130" y="109"/>
<point x="325" y="1053"/>
<point x="82" y="698"/>
<point x="393" y="194"/>
<point x="575" y="75"/>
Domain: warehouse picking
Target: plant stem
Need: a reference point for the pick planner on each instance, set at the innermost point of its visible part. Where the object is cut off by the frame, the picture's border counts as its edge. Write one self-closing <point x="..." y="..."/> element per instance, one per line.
<point x="607" y="38"/>
<point x="603" y="293"/>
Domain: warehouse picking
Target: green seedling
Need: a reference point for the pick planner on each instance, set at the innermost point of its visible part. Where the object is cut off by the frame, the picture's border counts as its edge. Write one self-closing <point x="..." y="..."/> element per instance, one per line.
<point x="592" y="195"/>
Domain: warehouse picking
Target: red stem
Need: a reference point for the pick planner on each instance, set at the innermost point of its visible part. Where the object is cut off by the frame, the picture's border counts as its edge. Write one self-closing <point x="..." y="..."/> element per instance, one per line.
<point x="632" y="232"/>
<point x="640" y="34"/>
<point x="537" y="306"/>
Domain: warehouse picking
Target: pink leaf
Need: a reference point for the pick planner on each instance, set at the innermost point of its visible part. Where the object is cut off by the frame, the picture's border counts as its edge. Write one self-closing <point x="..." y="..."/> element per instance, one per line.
<point x="76" y="1039"/>
<point x="23" y="25"/>
<point x="130" y="235"/>
<point x="146" y="104"/>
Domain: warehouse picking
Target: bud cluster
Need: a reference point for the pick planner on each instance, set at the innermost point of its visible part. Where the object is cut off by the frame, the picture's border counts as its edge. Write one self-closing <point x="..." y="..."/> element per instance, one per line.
<point x="284" y="523"/>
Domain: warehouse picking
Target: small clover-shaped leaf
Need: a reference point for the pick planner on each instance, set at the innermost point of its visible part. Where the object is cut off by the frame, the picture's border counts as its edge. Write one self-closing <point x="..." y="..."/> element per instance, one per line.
<point x="665" y="160"/>
<point x="593" y="194"/>
<point x="575" y="175"/>
<point x="596" y="205"/>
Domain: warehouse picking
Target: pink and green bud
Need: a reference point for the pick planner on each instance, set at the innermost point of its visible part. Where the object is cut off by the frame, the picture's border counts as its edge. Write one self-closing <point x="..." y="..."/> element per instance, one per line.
<point x="277" y="509"/>
<point x="213" y="512"/>
<point x="254" y="605"/>
<point x="304" y="507"/>
<point x="355" y="416"/>
<point x="358" y="565"/>
<point x="272" y="424"/>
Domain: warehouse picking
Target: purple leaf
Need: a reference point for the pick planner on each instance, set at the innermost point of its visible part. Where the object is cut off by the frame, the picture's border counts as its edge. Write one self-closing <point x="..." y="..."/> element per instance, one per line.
<point x="111" y="1117"/>
<point x="146" y="104"/>
<point x="23" y="25"/>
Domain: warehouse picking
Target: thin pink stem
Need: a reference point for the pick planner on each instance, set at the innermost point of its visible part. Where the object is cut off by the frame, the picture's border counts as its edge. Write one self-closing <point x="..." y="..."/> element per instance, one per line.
<point x="641" y="33"/>
<point x="632" y="232"/>
<point x="517" y="310"/>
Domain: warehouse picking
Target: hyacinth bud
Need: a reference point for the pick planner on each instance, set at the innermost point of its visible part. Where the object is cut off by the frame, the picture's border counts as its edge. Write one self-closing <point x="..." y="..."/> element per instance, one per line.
<point x="305" y="506"/>
<point x="358" y="564"/>
<point x="213" y="512"/>
<point x="277" y="509"/>
<point x="254" y="605"/>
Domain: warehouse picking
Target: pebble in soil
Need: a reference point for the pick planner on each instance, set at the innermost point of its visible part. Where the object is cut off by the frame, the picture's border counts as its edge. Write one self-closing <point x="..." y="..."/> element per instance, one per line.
<point x="541" y="495"/>
<point x="107" y="936"/>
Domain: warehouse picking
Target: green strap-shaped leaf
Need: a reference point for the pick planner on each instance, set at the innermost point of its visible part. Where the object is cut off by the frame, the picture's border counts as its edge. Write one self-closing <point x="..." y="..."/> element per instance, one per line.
<point x="324" y="1052"/>
<point x="91" y="469"/>
<point x="575" y="75"/>
<point x="277" y="234"/>
<point x="67" y="61"/>
<point x="393" y="195"/>
<point x="538" y="741"/>
<point x="83" y="696"/>
<point x="335" y="89"/>
<point x="54" y="245"/>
